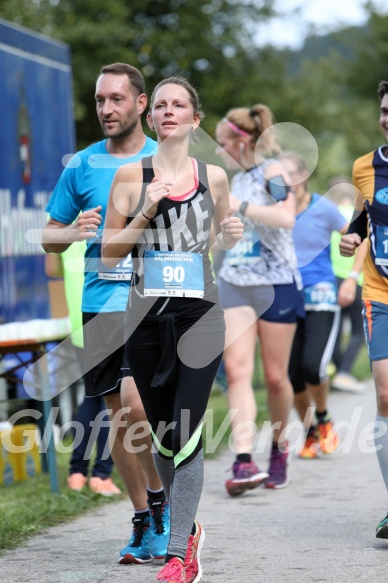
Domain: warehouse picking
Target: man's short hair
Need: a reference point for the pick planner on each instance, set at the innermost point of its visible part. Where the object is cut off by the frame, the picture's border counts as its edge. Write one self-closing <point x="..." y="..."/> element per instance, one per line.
<point x="135" y="77"/>
<point x="382" y="89"/>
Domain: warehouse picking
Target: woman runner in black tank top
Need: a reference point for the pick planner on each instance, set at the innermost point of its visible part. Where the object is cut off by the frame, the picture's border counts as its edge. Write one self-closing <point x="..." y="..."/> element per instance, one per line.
<point x="162" y="211"/>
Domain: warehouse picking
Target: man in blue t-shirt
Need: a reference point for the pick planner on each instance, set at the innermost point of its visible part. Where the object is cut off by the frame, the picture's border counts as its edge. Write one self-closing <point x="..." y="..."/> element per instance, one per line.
<point x="77" y="212"/>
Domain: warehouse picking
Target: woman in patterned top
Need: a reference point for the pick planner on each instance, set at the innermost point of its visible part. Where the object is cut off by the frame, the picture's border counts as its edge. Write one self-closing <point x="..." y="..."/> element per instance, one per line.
<point x="259" y="290"/>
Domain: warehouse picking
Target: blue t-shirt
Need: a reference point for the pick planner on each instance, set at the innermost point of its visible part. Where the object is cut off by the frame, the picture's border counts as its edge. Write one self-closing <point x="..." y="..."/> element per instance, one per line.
<point x="312" y="236"/>
<point x="85" y="184"/>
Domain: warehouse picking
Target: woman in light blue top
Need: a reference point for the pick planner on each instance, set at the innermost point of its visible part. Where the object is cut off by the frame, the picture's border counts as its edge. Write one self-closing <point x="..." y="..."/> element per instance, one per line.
<point x="317" y="218"/>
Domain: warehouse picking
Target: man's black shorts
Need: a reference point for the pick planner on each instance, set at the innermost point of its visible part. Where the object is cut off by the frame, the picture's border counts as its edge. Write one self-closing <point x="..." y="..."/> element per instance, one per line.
<point x="103" y="352"/>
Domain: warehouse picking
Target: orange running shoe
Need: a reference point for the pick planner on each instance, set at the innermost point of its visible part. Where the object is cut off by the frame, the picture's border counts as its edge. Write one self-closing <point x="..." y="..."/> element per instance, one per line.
<point x="328" y="437"/>
<point x="76" y="481"/>
<point x="105" y="486"/>
<point x="310" y="448"/>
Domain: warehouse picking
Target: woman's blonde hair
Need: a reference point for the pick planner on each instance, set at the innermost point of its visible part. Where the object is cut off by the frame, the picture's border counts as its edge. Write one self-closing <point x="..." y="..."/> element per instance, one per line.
<point x="254" y="121"/>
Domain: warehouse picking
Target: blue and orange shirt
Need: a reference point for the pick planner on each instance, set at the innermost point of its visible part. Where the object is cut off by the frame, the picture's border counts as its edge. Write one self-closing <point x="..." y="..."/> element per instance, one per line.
<point x="370" y="176"/>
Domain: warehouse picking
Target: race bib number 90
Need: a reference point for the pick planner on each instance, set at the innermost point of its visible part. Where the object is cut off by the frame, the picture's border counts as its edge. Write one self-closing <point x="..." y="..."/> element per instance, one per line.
<point x="173" y="274"/>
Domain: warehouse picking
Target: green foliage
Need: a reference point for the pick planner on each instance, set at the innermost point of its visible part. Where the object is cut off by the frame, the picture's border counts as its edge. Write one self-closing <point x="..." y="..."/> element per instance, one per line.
<point x="208" y="41"/>
<point x="28" y="507"/>
<point x="369" y="67"/>
<point x="328" y="87"/>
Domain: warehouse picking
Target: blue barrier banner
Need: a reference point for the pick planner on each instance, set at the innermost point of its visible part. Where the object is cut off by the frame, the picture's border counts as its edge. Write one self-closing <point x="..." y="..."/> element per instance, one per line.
<point x="37" y="131"/>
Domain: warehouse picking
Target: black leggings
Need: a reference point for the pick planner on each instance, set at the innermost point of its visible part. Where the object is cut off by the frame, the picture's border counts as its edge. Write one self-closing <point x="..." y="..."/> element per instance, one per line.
<point x="175" y="410"/>
<point x="312" y="348"/>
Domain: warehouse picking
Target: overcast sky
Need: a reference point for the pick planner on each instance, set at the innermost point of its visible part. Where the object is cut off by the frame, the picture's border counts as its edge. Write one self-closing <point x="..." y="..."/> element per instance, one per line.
<point x="325" y="15"/>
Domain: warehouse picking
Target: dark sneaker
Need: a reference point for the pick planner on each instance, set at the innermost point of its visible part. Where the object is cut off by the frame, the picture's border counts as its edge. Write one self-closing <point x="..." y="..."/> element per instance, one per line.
<point x="382" y="528"/>
<point x="138" y="548"/>
<point x="246" y="476"/>
<point x="277" y="469"/>
<point x="159" y="527"/>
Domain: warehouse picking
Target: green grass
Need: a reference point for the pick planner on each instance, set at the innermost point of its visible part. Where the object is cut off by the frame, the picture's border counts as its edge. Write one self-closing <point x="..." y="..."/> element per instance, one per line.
<point x="28" y="507"/>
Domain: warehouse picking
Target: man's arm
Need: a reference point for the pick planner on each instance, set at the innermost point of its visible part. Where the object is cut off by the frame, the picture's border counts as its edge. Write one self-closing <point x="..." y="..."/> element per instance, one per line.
<point x="57" y="237"/>
<point x="357" y="229"/>
<point x="347" y="289"/>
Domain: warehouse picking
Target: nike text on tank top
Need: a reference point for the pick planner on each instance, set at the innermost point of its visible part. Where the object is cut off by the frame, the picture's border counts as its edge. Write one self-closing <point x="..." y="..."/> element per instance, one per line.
<point x="178" y="226"/>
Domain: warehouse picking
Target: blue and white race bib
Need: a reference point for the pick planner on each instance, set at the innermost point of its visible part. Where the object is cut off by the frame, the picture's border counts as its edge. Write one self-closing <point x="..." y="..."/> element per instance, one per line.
<point x="173" y="274"/>
<point x="246" y="251"/>
<point x="122" y="271"/>
<point x="321" y="296"/>
<point x="381" y="245"/>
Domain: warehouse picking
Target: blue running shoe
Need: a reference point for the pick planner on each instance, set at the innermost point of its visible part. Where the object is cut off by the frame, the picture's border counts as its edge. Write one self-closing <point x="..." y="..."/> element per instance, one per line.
<point x="382" y="528"/>
<point x="138" y="548"/>
<point x="159" y="527"/>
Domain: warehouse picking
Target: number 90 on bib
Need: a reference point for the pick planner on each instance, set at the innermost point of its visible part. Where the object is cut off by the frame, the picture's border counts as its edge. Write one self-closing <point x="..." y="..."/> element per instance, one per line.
<point x="173" y="274"/>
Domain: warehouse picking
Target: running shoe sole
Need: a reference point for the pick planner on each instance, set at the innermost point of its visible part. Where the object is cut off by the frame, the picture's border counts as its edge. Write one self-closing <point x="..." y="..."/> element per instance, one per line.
<point x="272" y="486"/>
<point x="131" y="560"/>
<point x="382" y="532"/>
<point x="304" y="456"/>
<point x="236" y="487"/>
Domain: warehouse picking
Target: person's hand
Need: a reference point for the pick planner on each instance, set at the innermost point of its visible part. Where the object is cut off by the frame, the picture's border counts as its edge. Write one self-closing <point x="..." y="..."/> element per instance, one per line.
<point x="349" y="244"/>
<point x="347" y="292"/>
<point x="87" y="224"/>
<point x="232" y="228"/>
<point x="155" y="192"/>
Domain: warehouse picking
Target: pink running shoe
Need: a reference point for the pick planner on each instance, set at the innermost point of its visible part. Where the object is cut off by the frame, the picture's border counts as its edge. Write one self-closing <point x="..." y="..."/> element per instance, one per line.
<point x="172" y="572"/>
<point x="192" y="564"/>
<point x="246" y="476"/>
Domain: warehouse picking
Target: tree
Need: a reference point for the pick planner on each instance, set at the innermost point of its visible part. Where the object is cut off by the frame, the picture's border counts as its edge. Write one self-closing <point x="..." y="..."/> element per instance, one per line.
<point x="206" y="40"/>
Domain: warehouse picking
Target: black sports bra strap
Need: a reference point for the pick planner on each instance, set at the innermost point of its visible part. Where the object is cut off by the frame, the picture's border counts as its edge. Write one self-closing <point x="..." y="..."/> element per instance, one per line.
<point x="148" y="176"/>
<point x="202" y="175"/>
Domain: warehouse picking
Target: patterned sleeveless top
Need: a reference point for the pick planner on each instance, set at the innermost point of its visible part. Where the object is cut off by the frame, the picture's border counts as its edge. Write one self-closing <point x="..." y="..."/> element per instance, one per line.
<point x="277" y="263"/>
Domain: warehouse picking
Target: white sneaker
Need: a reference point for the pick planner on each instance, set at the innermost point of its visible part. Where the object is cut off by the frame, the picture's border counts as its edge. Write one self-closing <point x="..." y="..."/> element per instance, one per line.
<point x="346" y="382"/>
